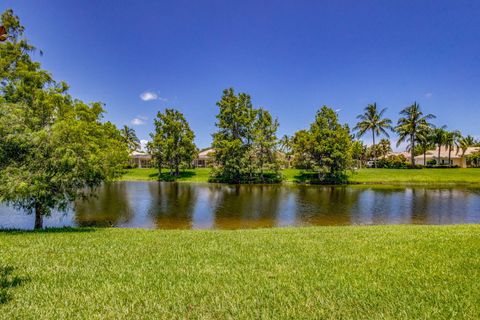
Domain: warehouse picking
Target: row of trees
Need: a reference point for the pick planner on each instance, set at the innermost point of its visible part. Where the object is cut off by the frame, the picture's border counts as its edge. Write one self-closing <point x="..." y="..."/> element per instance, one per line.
<point x="246" y="145"/>
<point x="247" y="149"/>
<point x="53" y="148"/>
<point x="413" y="127"/>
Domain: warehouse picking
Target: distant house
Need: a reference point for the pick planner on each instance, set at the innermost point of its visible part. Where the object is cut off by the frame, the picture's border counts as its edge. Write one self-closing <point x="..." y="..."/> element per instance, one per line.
<point x="457" y="158"/>
<point x="204" y="158"/>
<point x="140" y="159"/>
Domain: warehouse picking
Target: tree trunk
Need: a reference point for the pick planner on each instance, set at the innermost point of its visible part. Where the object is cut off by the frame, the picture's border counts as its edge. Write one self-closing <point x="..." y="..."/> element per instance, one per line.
<point x="449" y="155"/>
<point x="438" y="159"/>
<point x="412" y="152"/>
<point x="425" y="157"/>
<point x="374" y="151"/>
<point x="38" y="217"/>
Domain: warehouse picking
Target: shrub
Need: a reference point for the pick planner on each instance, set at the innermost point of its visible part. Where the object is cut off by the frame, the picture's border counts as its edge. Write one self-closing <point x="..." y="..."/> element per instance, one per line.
<point x="393" y="162"/>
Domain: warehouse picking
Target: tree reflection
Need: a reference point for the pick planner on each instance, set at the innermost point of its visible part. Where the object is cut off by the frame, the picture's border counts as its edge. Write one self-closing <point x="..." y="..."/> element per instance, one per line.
<point x="172" y="204"/>
<point x="246" y="206"/>
<point x="108" y="207"/>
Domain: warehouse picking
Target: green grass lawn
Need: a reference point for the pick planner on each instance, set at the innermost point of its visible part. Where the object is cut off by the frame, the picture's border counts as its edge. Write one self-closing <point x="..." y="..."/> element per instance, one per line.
<point x="423" y="176"/>
<point x="193" y="175"/>
<point x="368" y="176"/>
<point x="382" y="272"/>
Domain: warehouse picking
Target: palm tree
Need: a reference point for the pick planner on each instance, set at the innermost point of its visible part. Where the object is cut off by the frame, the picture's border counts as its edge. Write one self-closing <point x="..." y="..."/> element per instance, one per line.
<point x="373" y="121"/>
<point x="412" y="126"/>
<point x="286" y="144"/>
<point x="438" y="138"/>
<point x="130" y="138"/>
<point x="464" y="143"/>
<point x="425" y="142"/>
<point x="384" y="147"/>
<point x="451" y="141"/>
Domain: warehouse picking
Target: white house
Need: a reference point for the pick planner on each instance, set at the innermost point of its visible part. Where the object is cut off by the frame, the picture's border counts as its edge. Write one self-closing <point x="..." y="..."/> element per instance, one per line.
<point x="457" y="157"/>
<point x="140" y="159"/>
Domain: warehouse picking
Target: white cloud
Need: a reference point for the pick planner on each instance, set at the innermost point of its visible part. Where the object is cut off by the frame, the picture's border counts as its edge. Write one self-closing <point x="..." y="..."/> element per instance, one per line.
<point x="139" y="120"/>
<point x="148" y="96"/>
<point x="428" y="95"/>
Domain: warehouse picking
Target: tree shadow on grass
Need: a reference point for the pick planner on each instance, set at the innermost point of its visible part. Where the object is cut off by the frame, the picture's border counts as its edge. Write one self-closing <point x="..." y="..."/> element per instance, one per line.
<point x="9" y="281"/>
<point x="166" y="176"/>
<point x="306" y="177"/>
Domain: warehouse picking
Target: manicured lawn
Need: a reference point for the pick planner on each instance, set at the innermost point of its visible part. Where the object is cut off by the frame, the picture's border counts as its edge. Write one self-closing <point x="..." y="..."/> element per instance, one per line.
<point x="424" y="176"/>
<point x="383" y="272"/>
<point x="369" y="176"/>
<point x="193" y="175"/>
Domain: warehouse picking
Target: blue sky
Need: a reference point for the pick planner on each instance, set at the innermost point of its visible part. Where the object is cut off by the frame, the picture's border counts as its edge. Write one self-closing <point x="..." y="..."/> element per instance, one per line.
<point x="291" y="56"/>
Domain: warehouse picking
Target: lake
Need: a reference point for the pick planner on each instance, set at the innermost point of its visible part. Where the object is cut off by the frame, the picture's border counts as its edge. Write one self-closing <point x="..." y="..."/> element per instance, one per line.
<point x="216" y="206"/>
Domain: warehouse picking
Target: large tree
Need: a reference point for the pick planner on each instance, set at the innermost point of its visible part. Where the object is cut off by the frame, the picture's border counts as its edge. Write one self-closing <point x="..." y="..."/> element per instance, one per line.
<point x="53" y="148"/>
<point x="331" y="145"/>
<point x="373" y="121"/>
<point x="172" y="142"/>
<point x="411" y="126"/>
<point x="244" y="142"/>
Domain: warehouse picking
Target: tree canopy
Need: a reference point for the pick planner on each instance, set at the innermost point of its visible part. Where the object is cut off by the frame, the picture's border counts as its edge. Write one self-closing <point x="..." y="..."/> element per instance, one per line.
<point x="172" y="142"/>
<point x="412" y="126"/>
<point x="326" y="147"/>
<point x="53" y="148"/>
<point x="245" y="142"/>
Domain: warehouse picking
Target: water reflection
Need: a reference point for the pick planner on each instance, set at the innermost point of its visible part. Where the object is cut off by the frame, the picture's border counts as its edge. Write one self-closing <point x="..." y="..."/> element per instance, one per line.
<point x="215" y="206"/>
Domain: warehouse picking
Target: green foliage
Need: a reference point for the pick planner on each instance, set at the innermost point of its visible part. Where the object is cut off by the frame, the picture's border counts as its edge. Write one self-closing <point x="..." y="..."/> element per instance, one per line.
<point x="172" y="143"/>
<point x="301" y="147"/>
<point x="331" y="145"/>
<point x="473" y="160"/>
<point x="245" y="142"/>
<point x="325" y="148"/>
<point x="360" y="153"/>
<point x="130" y="138"/>
<point x="393" y="162"/>
<point x="466" y="142"/>
<point x="265" y="143"/>
<point x="53" y="148"/>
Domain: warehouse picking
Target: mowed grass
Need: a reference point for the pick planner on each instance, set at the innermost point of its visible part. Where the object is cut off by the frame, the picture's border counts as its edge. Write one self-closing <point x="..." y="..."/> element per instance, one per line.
<point x="381" y="272"/>
<point x="365" y="176"/>
<point x="151" y="174"/>
<point x="420" y="176"/>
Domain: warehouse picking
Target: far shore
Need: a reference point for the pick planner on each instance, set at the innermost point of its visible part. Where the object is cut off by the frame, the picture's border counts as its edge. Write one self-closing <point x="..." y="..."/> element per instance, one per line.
<point x="362" y="176"/>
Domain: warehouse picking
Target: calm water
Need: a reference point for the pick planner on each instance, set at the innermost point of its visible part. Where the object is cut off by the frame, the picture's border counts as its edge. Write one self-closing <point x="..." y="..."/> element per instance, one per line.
<point x="212" y="206"/>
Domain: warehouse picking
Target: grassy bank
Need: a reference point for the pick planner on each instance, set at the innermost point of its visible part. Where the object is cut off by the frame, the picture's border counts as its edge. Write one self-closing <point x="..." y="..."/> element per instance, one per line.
<point x="323" y="272"/>
<point x="368" y="176"/>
